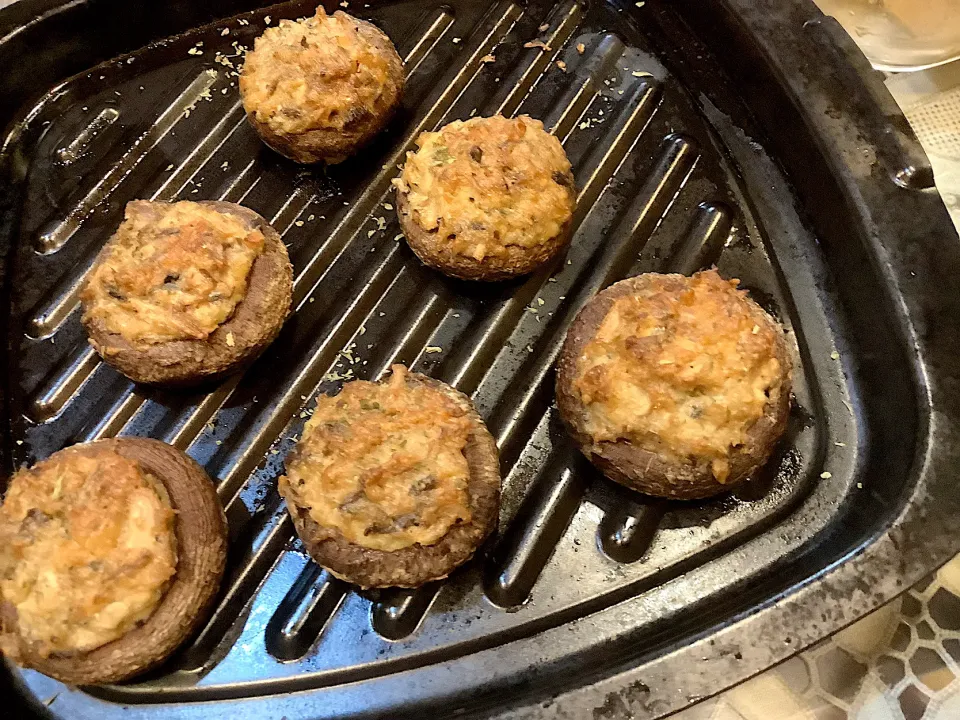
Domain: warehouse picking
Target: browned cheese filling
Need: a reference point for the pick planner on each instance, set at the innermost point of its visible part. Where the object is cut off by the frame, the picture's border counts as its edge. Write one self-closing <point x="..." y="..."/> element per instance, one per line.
<point x="171" y="272"/>
<point x="87" y="550"/>
<point x="489" y="183"/>
<point x="321" y="72"/>
<point x="383" y="463"/>
<point x="685" y="372"/>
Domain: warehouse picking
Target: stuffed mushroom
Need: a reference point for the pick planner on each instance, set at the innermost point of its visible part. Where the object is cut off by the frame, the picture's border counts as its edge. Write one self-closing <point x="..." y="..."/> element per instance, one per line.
<point x="393" y="483"/>
<point x="187" y="291"/>
<point x="319" y="88"/>
<point x="487" y="199"/>
<point x="110" y="555"/>
<point x="675" y="386"/>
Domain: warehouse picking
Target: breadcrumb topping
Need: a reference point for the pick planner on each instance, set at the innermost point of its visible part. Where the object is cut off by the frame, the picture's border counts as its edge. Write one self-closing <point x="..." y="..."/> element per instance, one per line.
<point x="87" y="550"/>
<point x="322" y="72"/>
<point x="172" y="271"/>
<point x="489" y="183"/>
<point x="684" y="366"/>
<point x="383" y="463"/>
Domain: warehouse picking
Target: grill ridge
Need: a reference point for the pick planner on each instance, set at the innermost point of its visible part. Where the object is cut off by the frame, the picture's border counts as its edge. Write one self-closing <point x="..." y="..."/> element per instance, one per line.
<point x="636" y="117"/>
<point x="394" y="618"/>
<point x="544" y="515"/>
<point x="626" y="533"/>
<point x="639" y="106"/>
<point x="398" y="612"/>
<point x="301" y="616"/>
<point x="57" y="236"/>
<point x="87" y="137"/>
<point x="63" y="299"/>
<point x="631" y="173"/>
<point x="348" y="229"/>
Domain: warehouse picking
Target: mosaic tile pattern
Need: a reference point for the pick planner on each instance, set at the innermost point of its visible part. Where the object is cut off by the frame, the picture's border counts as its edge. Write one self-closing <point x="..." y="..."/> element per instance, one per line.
<point x="901" y="662"/>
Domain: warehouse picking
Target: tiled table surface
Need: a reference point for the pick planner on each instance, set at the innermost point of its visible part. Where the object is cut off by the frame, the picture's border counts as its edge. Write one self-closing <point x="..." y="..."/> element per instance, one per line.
<point x="901" y="662"/>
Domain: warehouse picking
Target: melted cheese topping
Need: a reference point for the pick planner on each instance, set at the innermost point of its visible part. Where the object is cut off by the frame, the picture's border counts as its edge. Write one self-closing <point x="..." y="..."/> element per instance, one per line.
<point x="383" y="463"/>
<point x="489" y="183"/>
<point x="171" y="272"/>
<point x="321" y="72"/>
<point x="87" y="549"/>
<point x="685" y="369"/>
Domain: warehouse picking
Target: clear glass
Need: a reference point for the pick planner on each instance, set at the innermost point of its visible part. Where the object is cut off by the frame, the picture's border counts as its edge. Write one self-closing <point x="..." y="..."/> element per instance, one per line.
<point x="901" y="34"/>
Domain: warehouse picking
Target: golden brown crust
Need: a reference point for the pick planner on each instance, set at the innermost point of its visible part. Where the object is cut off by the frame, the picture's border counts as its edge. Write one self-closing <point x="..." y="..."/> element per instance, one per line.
<point x="415" y="565"/>
<point x="383" y="463"/>
<point x="254" y="324"/>
<point x="171" y="271"/>
<point x="650" y="471"/>
<point x="201" y="532"/>
<point x="517" y="260"/>
<point x="487" y="199"/>
<point x="87" y="550"/>
<point x="315" y="136"/>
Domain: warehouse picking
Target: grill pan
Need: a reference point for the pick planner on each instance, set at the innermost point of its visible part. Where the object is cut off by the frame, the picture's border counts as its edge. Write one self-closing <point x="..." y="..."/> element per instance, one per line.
<point x="750" y="134"/>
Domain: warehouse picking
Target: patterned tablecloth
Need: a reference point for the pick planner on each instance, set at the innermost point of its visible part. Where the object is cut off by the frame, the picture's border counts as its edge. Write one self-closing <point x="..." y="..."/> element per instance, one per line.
<point x="901" y="662"/>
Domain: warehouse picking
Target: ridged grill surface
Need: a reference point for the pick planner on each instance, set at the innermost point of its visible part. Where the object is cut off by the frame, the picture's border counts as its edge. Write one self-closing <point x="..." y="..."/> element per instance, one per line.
<point x="656" y="191"/>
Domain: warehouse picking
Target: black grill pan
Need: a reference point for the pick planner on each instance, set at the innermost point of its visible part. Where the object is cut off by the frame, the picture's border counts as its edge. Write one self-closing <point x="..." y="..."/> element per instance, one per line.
<point x="749" y="134"/>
